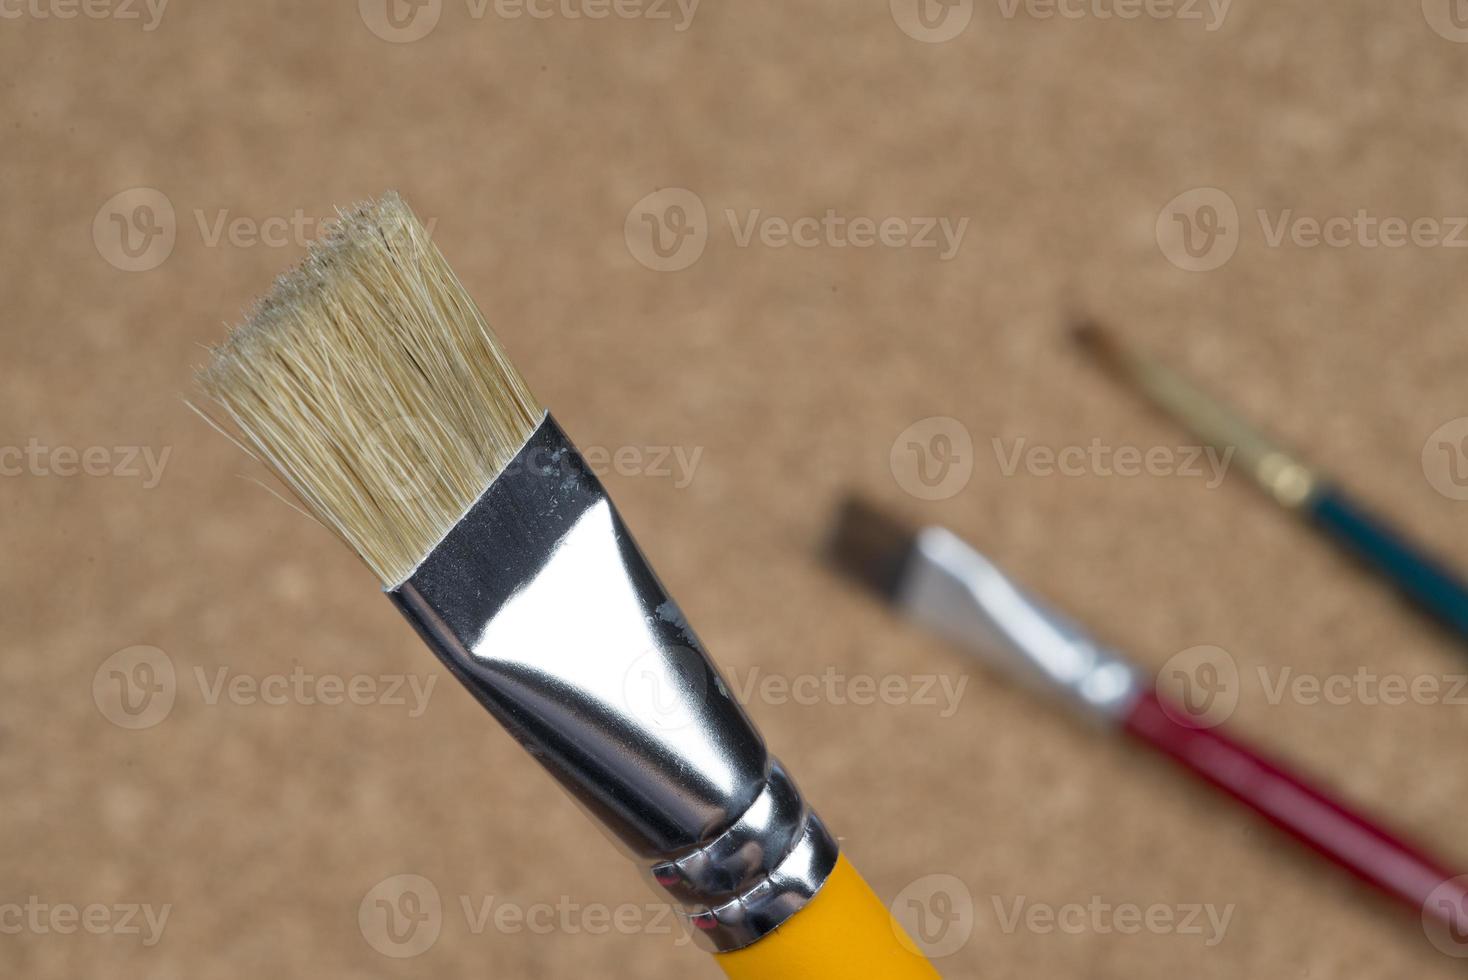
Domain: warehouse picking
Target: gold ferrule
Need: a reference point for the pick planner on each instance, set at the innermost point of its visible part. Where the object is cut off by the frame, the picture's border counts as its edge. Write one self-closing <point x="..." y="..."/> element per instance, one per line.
<point x="1279" y="472"/>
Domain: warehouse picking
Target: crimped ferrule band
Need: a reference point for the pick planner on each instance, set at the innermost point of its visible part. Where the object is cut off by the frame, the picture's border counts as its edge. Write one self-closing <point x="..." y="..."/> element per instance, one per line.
<point x="759" y="872"/>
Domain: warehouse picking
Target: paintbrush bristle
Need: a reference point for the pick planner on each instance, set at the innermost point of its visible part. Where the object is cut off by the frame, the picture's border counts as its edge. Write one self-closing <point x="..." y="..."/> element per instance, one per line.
<point x="1091" y="335"/>
<point x="871" y="547"/>
<point x="369" y="381"/>
<point x="1099" y="342"/>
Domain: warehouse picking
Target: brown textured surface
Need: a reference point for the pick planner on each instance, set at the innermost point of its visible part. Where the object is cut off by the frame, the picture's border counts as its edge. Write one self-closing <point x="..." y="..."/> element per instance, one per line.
<point x="794" y="370"/>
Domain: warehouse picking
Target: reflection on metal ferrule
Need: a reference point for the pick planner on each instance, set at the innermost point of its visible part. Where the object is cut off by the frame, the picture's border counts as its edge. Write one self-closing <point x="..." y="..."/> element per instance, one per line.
<point x="542" y="605"/>
<point x="960" y="594"/>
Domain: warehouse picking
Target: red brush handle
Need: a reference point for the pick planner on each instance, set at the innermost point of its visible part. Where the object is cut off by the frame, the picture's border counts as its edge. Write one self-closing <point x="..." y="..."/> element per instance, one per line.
<point x="1305" y="813"/>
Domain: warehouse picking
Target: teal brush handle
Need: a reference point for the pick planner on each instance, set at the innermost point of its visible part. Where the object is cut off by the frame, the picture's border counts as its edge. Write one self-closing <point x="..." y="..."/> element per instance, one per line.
<point x="1430" y="585"/>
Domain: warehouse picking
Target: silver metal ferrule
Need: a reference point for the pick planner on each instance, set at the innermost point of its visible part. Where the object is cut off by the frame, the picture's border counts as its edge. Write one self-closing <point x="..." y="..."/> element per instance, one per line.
<point x="957" y="592"/>
<point x="541" y="604"/>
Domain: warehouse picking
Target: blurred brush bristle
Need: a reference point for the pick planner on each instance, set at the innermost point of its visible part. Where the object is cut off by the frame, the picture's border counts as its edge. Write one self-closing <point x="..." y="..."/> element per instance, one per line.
<point x="871" y="547"/>
<point x="369" y="381"/>
<point x="1097" y="341"/>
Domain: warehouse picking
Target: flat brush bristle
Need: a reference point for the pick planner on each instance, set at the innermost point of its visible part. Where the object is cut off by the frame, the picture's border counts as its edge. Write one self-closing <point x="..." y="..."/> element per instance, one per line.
<point x="1099" y="343"/>
<point x="871" y="547"/>
<point x="369" y="381"/>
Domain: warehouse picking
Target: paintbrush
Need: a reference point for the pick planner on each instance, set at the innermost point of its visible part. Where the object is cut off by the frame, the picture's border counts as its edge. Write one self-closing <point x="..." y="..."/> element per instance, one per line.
<point x="1425" y="581"/>
<point x="934" y="578"/>
<point x="372" y="385"/>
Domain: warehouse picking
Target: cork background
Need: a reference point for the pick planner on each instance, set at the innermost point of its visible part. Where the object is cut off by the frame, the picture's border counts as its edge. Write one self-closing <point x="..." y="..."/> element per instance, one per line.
<point x="209" y="713"/>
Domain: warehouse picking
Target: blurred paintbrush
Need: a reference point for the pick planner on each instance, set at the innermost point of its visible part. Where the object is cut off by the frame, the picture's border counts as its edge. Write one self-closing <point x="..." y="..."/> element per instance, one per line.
<point x="934" y="578"/>
<point x="1425" y="581"/>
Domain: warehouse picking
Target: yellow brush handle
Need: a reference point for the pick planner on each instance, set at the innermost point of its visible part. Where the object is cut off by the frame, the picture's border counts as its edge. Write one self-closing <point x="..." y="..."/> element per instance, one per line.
<point x="845" y="932"/>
